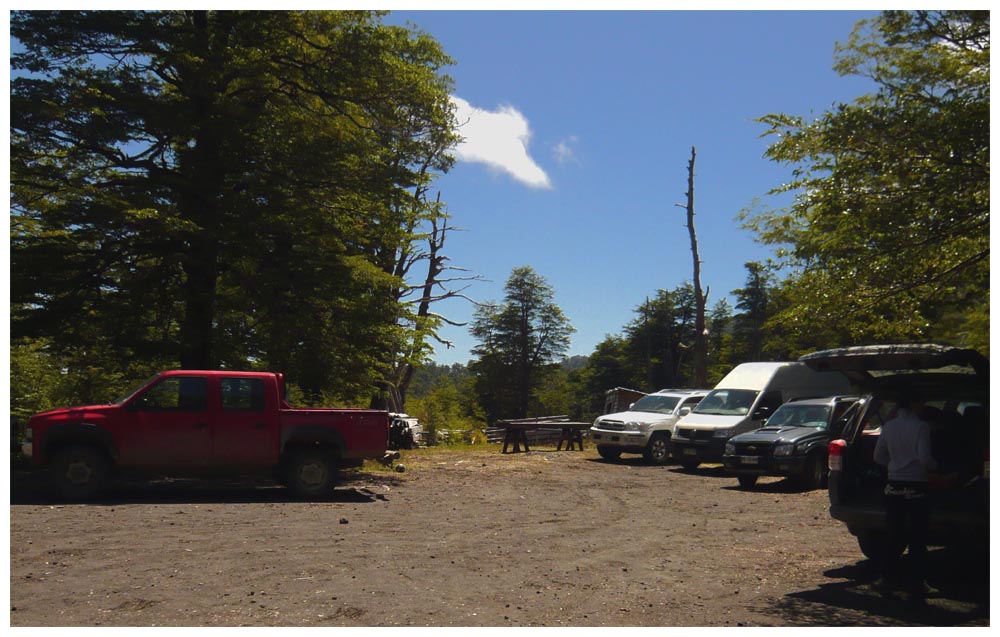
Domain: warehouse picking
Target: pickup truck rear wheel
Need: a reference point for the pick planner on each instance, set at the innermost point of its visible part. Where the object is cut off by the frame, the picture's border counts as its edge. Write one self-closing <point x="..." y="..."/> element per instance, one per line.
<point x="80" y="472"/>
<point x="657" y="451"/>
<point x="311" y="473"/>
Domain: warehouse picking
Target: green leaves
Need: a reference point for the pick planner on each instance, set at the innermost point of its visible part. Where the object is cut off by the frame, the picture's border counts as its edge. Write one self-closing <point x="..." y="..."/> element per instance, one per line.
<point x="889" y="228"/>
<point x="220" y="188"/>
<point x="518" y="340"/>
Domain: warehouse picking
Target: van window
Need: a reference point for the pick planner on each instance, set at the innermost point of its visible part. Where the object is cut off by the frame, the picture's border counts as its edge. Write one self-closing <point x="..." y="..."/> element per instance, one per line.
<point x="771" y="401"/>
<point x="726" y="402"/>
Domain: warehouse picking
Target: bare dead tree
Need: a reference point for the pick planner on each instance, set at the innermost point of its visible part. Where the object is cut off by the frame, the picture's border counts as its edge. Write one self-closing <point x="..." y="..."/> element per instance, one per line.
<point x="429" y="231"/>
<point x="701" y="299"/>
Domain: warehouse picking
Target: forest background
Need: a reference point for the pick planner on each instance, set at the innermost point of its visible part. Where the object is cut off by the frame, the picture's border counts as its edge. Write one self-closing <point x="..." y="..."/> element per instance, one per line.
<point x="253" y="190"/>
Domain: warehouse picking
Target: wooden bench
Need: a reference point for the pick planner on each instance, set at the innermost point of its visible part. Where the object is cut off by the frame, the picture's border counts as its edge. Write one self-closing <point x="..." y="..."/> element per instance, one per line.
<point x="516" y="432"/>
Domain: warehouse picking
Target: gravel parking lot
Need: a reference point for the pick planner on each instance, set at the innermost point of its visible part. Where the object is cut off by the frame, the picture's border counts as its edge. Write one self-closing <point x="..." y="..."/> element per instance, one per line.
<point x="463" y="538"/>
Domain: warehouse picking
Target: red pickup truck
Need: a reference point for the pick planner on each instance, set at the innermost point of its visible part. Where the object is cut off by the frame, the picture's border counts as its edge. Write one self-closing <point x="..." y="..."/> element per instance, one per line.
<point x="190" y="422"/>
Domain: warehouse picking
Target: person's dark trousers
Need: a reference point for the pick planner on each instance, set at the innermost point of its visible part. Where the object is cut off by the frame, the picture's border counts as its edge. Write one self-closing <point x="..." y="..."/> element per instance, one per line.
<point x="907" y="516"/>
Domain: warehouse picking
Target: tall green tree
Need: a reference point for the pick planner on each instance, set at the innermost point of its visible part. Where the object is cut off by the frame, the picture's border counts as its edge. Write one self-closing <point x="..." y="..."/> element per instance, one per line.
<point x="888" y="232"/>
<point x="519" y="339"/>
<point x="218" y="188"/>
<point x="661" y="339"/>
<point x="753" y="301"/>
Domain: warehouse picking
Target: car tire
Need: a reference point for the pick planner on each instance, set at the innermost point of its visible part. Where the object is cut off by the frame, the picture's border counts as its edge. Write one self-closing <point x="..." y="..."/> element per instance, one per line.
<point x="609" y="453"/>
<point x="311" y="473"/>
<point x="747" y="481"/>
<point x="815" y="474"/>
<point x="80" y="472"/>
<point x="875" y="545"/>
<point x="690" y="465"/>
<point x="657" y="451"/>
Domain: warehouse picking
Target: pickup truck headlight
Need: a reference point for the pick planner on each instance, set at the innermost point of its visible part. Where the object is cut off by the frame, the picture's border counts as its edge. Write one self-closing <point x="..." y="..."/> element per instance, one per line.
<point x="723" y="433"/>
<point x="730" y="449"/>
<point x="784" y="450"/>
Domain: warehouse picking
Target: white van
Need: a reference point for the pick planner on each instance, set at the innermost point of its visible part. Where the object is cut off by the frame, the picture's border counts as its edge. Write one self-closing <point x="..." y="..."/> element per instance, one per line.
<point x="742" y="401"/>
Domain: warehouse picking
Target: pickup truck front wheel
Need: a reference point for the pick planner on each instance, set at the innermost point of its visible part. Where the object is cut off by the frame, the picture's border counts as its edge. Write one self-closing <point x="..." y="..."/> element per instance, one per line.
<point x="311" y="473"/>
<point x="79" y="472"/>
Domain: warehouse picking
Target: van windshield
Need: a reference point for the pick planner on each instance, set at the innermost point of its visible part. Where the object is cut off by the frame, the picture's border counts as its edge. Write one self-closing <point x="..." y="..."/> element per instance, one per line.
<point x="726" y="402"/>
<point x="656" y="404"/>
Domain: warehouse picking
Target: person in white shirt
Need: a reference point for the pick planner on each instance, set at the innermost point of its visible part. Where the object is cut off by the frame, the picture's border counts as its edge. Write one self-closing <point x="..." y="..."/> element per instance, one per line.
<point x="904" y="447"/>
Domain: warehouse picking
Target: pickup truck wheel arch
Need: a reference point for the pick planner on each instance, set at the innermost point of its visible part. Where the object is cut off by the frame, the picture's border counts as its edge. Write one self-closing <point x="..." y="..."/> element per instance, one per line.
<point x="79" y="434"/>
<point x="308" y="435"/>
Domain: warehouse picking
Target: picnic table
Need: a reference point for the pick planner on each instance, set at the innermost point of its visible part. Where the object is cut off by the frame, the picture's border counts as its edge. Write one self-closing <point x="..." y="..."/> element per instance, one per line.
<point x="516" y="432"/>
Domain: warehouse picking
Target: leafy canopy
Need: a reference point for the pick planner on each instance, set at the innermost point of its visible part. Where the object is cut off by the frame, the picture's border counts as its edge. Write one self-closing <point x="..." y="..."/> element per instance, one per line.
<point x="888" y="233"/>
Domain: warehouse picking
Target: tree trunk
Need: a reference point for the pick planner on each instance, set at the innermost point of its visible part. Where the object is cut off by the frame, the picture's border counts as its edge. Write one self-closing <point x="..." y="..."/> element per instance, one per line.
<point x="700" y="298"/>
<point x="201" y="273"/>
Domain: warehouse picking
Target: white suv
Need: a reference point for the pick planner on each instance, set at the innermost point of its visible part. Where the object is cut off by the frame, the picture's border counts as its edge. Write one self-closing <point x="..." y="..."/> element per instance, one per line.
<point x="646" y="427"/>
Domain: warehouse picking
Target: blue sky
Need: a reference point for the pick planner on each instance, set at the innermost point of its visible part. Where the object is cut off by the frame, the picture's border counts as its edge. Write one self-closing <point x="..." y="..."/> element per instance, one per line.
<point x="579" y="129"/>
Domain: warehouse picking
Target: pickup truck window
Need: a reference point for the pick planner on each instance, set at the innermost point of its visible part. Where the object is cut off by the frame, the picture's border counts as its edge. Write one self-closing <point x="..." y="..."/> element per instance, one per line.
<point x="177" y="393"/>
<point x="243" y="394"/>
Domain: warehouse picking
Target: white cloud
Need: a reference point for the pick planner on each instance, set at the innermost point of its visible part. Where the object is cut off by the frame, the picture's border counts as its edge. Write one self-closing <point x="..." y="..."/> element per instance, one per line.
<point x="564" y="152"/>
<point x="499" y="139"/>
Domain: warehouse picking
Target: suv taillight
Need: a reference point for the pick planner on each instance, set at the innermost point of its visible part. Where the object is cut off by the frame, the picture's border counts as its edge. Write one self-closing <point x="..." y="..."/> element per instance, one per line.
<point x="835" y="460"/>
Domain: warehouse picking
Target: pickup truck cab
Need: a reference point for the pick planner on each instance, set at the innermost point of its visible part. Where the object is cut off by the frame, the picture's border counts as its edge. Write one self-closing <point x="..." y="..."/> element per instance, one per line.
<point x="646" y="427"/>
<point x="793" y="442"/>
<point x="193" y="422"/>
<point x="953" y="384"/>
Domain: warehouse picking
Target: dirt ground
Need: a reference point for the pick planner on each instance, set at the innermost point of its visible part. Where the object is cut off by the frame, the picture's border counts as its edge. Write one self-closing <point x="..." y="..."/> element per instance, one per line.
<point x="463" y="538"/>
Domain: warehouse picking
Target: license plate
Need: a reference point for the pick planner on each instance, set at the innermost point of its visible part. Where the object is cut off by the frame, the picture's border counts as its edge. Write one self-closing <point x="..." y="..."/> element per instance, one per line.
<point x="690" y="452"/>
<point x="749" y="460"/>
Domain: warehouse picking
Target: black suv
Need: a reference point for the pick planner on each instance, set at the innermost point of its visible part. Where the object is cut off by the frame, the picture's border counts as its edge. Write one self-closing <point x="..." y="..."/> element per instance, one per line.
<point x="953" y="385"/>
<point x="793" y="442"/>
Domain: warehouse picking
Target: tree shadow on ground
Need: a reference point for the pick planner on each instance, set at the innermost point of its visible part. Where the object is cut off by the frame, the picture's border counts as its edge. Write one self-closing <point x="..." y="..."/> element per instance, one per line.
<point x="959" y="596"/>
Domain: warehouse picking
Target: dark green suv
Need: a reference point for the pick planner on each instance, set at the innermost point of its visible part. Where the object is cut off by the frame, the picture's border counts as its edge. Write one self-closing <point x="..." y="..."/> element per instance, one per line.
<point x="793" y="442"/>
